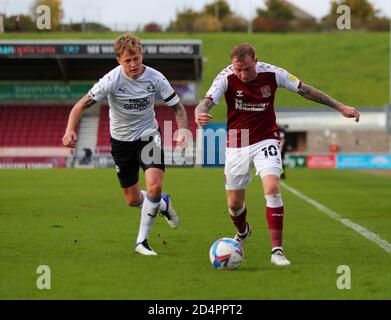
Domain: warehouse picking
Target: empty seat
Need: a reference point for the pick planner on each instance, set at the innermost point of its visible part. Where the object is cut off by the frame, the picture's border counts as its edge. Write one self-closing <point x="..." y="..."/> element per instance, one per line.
<point x="163" y="114"/>
<point x="41" y="125"/>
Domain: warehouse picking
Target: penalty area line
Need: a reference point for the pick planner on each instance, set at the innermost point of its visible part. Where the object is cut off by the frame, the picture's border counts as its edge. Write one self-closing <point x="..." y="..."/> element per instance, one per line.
<point x="356" y="227"/>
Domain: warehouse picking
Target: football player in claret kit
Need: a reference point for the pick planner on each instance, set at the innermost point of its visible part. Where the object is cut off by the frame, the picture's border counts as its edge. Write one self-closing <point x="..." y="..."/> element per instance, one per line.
<point x="134" y="133"/>
<point x="249" y="87"/>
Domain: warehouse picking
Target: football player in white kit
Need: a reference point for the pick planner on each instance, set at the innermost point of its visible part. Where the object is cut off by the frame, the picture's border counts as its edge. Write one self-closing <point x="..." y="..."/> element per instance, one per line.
<point x="249" y="87"/>
<point x="135" y="136"/>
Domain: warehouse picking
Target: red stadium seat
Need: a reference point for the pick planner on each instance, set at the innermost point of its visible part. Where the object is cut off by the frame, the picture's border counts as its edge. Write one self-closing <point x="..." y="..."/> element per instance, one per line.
<point x="41" y="125"/>
<point x="163" y="113"/>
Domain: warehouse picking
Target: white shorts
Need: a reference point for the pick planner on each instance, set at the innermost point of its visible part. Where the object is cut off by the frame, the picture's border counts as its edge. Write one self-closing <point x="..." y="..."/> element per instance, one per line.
<point x="265" y="156"/>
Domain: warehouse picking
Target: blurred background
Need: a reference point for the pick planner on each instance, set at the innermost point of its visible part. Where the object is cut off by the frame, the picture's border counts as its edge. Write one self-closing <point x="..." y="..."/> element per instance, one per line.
<point x="43" y="72"/>
<point x="76" y="222"/>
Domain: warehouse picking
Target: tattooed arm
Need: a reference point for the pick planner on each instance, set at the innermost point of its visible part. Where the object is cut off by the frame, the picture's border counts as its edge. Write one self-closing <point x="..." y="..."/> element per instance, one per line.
<point x="202" y="117"/>
<point x="181" y="120"/>
<point x="70" y="137"/>
<point x="316" y="95"/>
<point x="180" y="115"/>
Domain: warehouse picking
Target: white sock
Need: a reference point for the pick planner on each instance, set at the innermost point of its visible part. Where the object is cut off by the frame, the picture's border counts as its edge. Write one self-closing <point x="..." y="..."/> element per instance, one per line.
<point x="274" y="200"/>
<point x="144" y="194"/>
<point x="236" y="213"/>
<point x="162" y="205"/>
<point x="148" y="215"/>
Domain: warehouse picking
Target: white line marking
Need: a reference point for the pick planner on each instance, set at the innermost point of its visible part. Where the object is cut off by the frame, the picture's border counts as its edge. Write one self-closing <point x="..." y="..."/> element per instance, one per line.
<point x="356" y="227"/>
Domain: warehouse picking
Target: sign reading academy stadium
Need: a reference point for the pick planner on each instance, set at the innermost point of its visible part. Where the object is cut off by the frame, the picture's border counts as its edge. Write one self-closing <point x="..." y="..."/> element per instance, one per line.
<point x="13" y="49"/>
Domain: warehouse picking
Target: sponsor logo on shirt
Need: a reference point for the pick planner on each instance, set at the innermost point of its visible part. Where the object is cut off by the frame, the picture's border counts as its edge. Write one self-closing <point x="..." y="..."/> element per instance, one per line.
<point x="239" y="93"/>
<point x="292" y="78"/>
<point x="137" y="104"/>
<point x="240" y="105"/>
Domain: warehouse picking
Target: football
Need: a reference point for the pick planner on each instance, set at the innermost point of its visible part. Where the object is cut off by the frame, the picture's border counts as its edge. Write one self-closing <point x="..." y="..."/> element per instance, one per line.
<point x="226" y="254"/>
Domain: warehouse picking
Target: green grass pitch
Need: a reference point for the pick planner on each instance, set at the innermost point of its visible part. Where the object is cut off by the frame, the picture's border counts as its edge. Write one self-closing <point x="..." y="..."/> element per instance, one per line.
<point x="76" y="222"/>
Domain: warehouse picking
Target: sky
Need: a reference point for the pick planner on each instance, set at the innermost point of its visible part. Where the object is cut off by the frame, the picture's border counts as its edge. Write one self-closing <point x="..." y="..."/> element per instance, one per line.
<point x="135" y="13"/>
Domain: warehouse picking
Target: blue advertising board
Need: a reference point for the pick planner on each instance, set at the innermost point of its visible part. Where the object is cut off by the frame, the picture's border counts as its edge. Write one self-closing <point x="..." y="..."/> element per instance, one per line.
<point x="215" y="141"/>
<point x="364" y="161"/>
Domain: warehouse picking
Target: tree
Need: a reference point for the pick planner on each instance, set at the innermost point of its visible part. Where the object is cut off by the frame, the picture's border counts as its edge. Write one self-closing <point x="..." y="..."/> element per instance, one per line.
<point x="235" y="23"/>
<point x="152" y="27"/>
<point x="215" y="16"/>
<point x="184" y="21"/>
<point x="19" y="23"/>
<point x="218" y="9"/>
<point x="270" y="25"/>
<point x="56" y="11"/>
<point x="276" y="10"/>
<point x="207" y="23"/>
<point x="360" y="9"/>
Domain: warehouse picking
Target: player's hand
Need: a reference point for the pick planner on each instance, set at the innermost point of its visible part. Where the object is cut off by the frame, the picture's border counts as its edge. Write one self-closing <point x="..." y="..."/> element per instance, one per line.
<point x="202" y="118"/>
<point x="350" y="112"/>
<point x="69" y="139"/>
<point x="182" y="140"/>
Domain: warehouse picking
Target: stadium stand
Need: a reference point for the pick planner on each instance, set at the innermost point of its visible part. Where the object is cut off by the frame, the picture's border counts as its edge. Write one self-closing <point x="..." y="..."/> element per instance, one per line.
<point x="163" y="113"/>
<point x="32" y="126"/>
<point x="35" y="102"/>
<point x="103" y="128"/>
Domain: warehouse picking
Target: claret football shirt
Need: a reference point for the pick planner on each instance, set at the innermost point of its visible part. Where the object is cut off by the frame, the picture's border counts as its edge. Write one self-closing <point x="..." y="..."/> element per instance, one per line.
<point x="251" y="105"/>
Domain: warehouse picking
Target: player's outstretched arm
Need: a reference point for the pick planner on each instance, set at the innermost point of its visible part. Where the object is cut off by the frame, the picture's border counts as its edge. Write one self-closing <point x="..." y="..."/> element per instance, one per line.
<point x="180" y="115"/>
<point x="181" y="120"/>
<point x="69" y="139"/>
<point x="316" y="95"/>
<point x="202" y="117"/>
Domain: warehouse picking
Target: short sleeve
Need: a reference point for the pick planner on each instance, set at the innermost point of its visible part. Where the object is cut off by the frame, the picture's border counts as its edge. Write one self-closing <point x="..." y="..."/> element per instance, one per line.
<point x="287" y="80"/>
<point x="218" y="87"/>
<point x="166" y="91"/>
<point x="101" y="89"/>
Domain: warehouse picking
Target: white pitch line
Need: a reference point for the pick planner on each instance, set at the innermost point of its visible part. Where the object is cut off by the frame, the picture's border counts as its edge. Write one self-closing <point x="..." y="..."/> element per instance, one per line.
<point x="356" y="227"/>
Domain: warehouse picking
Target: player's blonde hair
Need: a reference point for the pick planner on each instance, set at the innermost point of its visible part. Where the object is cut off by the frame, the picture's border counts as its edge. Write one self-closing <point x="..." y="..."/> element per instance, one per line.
<point x="126" y="42"/>
<point x="242" y="51"/>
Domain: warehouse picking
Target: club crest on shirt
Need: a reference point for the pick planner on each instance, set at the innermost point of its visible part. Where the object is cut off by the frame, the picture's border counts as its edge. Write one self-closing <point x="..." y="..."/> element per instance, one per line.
<point x="151" y="88"/>
<point x="266" y="91"/>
